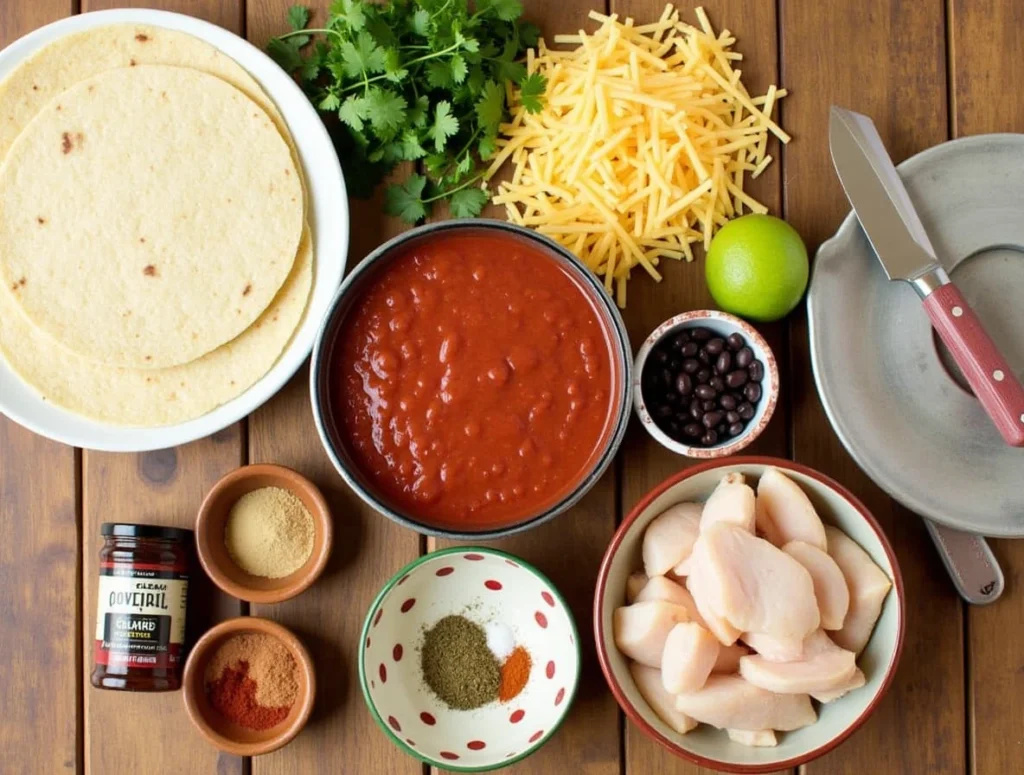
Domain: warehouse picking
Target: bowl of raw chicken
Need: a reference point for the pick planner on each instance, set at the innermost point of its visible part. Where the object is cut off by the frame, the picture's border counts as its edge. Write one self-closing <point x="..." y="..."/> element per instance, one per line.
<point x="749" y="614"/>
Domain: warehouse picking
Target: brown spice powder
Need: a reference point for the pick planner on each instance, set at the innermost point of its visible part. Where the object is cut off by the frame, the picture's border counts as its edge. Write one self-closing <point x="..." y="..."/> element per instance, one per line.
<point x="271" y="666"/>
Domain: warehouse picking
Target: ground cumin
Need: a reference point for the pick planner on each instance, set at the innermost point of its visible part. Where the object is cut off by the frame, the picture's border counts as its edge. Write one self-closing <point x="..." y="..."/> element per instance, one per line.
<point x="457" y="664"/>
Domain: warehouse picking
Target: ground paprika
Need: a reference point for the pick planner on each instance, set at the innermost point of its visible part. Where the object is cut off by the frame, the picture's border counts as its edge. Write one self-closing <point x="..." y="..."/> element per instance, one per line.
<point x="514" y="674"/>
<point x="233" y="695"/>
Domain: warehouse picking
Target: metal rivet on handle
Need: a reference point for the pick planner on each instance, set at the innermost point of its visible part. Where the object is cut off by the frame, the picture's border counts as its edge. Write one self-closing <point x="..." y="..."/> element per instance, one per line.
<point x="958" y="311"/>
<point x="998" y="375"/>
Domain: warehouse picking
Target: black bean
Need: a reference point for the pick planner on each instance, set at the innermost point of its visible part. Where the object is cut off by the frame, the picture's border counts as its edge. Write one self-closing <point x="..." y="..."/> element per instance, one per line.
<point x="708" y="405"/>
<point x="753" y="392"/>
<point x="673" y="428"/>
<point x="731" y="417"/>
<point x="705" y="391"/>
<point x="715" y="346"/>
<point x="663" y="411"/>
<point x="724" y="362"/>
<point x="744" y="357"/>
<point x="703" y="376"/>
<point x="704" y="356"/>
<point x="735" y="341"/>
<point x="736" y="379"/>
<point x="693" y="430"/>
<point x="709" y="439"/>
<point x="679" y="340"/>
<point x="727" y="402"/>
<point x="736" y="429"/>
<point x="756" y="371"/>
<point x="696" y="410"/>
<point x="711" y="419"/>
<point x="666" y="377"/>
<point x="660" y="356"/>
<point x="690" y="365"/>
<point x="689" y="349"/>
<point x="717" y="383"/>
<point x="737" y="396"/>
<point x="700" y="334"/>
<point x="674" y="363"/>
<point x="721" y="429"/>
<point x="745" y="411"/>
<point x="684" y="384"/>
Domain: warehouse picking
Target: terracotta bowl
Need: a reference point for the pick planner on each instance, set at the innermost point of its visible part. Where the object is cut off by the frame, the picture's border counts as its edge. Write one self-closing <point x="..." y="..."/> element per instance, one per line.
<point x="484" y="585"/>
<point x="722" y="324"/>
<point x="212" y="518"/>
<point x="224" y="734"/>
<point x="710" y="747"/>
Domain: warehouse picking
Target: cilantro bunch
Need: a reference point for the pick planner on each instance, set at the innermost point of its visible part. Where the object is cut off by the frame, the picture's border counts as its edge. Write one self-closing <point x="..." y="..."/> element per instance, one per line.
<point x="414" y="80"/>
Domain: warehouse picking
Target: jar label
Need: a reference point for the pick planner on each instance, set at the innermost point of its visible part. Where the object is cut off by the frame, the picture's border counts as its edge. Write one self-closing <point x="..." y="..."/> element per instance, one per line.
<point x="140" y="616"/>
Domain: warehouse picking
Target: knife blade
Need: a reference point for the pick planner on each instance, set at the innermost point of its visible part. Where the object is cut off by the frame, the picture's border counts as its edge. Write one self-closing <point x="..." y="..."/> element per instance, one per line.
<point x="901" y="243"/>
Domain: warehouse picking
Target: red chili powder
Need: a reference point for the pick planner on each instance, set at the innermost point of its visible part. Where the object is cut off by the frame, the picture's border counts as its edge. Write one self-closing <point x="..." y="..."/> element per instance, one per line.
<point x="233" y="695"/>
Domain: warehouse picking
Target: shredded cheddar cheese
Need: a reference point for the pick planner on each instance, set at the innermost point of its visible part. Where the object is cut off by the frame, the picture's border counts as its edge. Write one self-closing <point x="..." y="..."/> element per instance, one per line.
<point x="643" y="145"/>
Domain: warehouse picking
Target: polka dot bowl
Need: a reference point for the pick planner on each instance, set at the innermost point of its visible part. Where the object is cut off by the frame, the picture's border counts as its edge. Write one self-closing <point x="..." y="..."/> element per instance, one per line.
<point x="484" y="585"/>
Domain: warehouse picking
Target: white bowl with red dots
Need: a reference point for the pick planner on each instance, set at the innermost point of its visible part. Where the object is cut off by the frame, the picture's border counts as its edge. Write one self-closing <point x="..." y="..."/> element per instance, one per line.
<point x="485" y="586"/>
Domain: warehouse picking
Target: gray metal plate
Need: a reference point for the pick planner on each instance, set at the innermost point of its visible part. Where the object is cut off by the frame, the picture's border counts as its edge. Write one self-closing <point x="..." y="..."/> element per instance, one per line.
<point x="899" y="409"/>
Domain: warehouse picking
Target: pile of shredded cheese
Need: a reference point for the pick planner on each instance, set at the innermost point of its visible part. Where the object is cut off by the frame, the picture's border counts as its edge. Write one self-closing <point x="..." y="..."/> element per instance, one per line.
<point x="641" y="149"/>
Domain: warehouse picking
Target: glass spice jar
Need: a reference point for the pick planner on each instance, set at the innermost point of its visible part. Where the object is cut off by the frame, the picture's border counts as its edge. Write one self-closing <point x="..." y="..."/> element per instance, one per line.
<point x="140" y="607"/>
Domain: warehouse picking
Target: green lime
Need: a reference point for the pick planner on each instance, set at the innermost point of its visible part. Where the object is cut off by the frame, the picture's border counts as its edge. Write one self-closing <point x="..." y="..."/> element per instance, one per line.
<point x="757" y="267"/>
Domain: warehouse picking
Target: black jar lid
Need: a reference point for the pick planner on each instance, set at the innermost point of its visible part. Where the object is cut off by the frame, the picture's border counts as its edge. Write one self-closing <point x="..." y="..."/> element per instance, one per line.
<point x="127" y="530"/>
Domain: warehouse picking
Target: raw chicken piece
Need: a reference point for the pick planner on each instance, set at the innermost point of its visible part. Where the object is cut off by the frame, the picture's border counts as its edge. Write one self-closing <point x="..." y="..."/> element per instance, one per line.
<point x="823" y="668"/>
<point x="681" y="571"/>
<point x="729" y="658"/>
<point x="830" y="588"/>
<point x="856" y="681"/>
<point x="648" y="683"/>
<point x="717" y="624"/>
<point x="690" y="654"/>
<point x="641" y="629"/>
<point x="774" y="649"/>
<point x="753" y="585"/>
<point x="661" y="588"/>
<point x="785" y="513"/>
<point x="731" y="501"/>
<point x="634" y="585"/>
<point x="731" y="702"/>
<point x="868" y="587"/>
<point x="760" y="738"/>
<point x="669" y="538"/>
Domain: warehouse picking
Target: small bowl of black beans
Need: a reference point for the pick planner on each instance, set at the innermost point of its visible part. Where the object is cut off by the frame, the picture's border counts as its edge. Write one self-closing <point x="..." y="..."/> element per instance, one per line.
<point x="705" y="384"/>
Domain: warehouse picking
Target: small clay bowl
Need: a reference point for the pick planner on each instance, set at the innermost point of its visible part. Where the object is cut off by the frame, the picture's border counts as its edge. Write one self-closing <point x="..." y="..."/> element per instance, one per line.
<point x="224" y="734"/>
<point x="212" y="519"/>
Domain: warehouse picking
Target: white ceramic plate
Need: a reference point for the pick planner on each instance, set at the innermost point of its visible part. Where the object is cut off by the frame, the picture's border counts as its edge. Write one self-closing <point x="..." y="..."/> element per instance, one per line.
<point x="485" y="585"/>
<point x="328" y="220"/>
<point x="710" y="747"/>
<point x="890" y="396"/>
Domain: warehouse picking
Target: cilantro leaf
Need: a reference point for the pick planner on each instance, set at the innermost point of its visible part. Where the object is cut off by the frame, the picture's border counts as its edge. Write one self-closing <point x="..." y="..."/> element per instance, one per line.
<point x="298" y="17"/>
<point x="531" y="89"/>
<point x="331" y="102"/>
<point x="445" y="125"/>
<point x="285" y="53"/>
<point x="491" y="107"/>
<point x="405" y="200"/>
<point x="506" y="10"/>
<point x="417" y="113"/>
<point x="349" y="13"/>
<point x="487" y="147"/>
<point x="355" y="111"/>
<point x="468" y="202"/>
<point x="419" y="22"/>
<point x="386" y="110"/>
<point x="529" y="34"/>
<point x="439" y="74"/>
<point x="458" y="68"/>
<point x="411" y="147"/>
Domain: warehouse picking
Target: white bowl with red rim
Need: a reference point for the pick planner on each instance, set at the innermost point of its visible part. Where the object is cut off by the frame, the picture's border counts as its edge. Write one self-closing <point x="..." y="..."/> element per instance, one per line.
<point x="484" y="585"/>
<point x="721" y="324"/>
<point x="837" y="720"/>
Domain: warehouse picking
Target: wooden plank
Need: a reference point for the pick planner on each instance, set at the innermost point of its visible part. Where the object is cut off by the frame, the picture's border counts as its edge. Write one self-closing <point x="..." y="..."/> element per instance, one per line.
<point x="645" y="462"/>
<point x="982" y="33"/>
<point x="887" y="59"/>
<point x="128" y="732"/>
<point x="589" y="740"/>
<point x="40" y="556"/>
<point x="368" y="548"/>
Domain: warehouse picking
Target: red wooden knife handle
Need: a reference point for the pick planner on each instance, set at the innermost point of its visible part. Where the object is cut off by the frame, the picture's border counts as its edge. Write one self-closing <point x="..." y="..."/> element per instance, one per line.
<point x="986" y="370"/>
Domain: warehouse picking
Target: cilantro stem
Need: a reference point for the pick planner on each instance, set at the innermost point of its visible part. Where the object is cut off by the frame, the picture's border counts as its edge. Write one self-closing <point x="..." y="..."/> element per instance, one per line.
<point x="447" y="193"/>
<point x="311" y="32"/>
<point x="427" y="57"/>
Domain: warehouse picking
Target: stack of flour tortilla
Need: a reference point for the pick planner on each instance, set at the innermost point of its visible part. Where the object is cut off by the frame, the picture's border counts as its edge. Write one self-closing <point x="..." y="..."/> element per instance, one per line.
<point x="154" y="255"/>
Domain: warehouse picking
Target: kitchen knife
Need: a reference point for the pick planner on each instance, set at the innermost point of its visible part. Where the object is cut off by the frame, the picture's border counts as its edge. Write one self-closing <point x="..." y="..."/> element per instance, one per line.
<point x="901" y="243"/>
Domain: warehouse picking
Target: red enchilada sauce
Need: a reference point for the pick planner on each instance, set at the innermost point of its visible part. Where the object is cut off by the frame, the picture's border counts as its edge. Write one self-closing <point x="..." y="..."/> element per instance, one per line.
<point x="474" y="381"/>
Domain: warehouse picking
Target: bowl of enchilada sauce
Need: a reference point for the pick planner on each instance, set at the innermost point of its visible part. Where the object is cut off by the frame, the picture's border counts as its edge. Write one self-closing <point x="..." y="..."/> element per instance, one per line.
<point x="471" y="379"/>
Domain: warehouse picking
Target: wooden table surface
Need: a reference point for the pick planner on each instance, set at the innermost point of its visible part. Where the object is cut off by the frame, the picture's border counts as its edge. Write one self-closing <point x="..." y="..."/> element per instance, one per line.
<point x="927" y="70"/>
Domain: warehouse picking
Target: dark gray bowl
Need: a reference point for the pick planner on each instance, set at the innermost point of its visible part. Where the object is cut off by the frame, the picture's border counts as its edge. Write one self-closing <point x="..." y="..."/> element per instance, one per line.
<point x="323" y="351"/>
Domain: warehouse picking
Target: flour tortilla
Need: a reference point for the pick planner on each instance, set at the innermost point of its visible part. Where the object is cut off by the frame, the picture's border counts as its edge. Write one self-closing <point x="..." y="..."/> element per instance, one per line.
<point x="148" y="215"/>
<point x="152" y="397"/>
<point x="73" y="58"/>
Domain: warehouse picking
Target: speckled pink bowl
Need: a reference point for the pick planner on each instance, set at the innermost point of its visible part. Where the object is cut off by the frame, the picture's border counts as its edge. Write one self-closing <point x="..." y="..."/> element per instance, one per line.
<point x="723" y="324"/>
